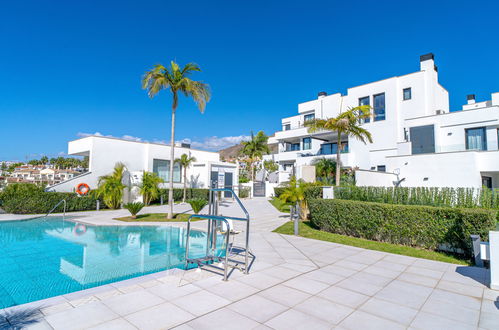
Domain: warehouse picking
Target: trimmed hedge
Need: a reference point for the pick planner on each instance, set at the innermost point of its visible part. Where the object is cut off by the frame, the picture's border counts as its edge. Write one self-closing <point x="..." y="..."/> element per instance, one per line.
<point x="178" y="194"/>
<point x="418" y="226"/>
<point x="446" y="197"/>
<point x="311" y="192"/>
<point x="25" y="198"/>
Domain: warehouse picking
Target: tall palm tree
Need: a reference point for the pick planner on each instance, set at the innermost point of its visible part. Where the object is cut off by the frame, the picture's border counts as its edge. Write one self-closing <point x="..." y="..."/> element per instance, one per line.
<point x="177" y="80"/>
<point x="346" y="123"/>
<point x="149" y="187"/>
<point x="111" y="186"/>
<point x="254" y="149"/>
<point x="185" y="161"/>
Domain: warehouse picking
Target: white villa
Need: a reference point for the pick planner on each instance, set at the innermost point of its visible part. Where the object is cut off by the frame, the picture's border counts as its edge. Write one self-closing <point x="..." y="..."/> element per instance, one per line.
<point x="416" y="138"/>
<point x="105" y="152"/>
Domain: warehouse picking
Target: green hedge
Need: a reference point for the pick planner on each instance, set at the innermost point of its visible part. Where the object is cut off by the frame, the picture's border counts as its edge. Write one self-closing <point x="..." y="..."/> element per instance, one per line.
<point x="419" y="226"/>
<point x="25" y="198"/>
<point x="447" y="197"/>
<point x="178" y="194"/>
<point x="311" y="192"/>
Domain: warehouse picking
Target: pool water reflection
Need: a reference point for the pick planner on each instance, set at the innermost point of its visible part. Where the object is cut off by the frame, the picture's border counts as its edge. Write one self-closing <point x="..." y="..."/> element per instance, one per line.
<point x="42" y="258"/>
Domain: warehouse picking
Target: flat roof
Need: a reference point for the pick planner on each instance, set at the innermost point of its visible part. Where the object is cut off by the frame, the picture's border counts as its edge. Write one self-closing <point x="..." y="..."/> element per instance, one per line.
<point x="143" y="142"/>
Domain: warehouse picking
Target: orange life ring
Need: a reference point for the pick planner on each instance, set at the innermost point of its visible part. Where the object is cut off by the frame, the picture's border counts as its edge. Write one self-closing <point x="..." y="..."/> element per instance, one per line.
<point x="79" y="229"/>
<point x="82" y="189"/>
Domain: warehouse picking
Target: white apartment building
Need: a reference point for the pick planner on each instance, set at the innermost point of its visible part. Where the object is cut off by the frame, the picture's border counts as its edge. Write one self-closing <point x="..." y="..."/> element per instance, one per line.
<point x="41" y="174"/>
<point x="416" y="138"/>
<point x="105" y="152"/>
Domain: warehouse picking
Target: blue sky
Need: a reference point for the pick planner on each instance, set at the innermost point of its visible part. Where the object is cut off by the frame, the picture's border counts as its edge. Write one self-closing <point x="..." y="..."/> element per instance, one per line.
<point x="69" y="68"/>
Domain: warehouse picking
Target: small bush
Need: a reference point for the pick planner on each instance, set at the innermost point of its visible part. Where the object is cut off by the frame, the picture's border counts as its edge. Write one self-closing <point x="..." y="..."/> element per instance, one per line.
<point x="197" y="204"/>
<point x="419" y="226"/>
<point x="244" y="192"/>
<point x="178" y="193"/>
<point x="134" y="208"/>
<point x="26" y="198"/>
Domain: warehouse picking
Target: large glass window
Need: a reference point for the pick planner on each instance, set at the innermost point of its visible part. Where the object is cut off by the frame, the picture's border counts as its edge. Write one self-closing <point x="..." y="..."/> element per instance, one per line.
<point x="364" y="101"/>
<point x="379" y="107"/>
<point x="292" y="146"/>
<point x="309" y="117"/>
<point x="476" y="139"/>
<point x="307" y="143"/>
<point x="332" y="148"/>
<point x="162" y="168"/>
<point x="422" y="139"/>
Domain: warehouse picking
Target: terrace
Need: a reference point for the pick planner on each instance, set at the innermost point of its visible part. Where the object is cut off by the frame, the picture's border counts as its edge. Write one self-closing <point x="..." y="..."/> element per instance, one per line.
<point x="294" y="282"/>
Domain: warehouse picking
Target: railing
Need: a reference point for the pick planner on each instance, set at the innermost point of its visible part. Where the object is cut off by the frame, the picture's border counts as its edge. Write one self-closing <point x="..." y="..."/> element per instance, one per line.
<point x="56" y="205"/>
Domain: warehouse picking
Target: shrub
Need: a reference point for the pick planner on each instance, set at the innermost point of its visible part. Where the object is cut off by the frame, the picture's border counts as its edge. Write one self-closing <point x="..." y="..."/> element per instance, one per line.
<point x="448" y="197"/>
<point x="134" y="208"/>
<point x="192" y="193"/>
<point x="244" y="192"/>
<point x="26" y="198"/>
<point x="197" y="204"/>
<point x="419" y="226"/>
<point x="278" y="191"/>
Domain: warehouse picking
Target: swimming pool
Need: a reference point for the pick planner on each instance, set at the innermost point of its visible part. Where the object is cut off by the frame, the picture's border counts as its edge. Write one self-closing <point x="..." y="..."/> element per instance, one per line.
<point x="42" y="258"/>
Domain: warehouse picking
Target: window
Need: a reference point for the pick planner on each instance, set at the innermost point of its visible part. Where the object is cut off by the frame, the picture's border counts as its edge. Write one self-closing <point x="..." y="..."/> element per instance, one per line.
<point x="407" y="94"/>
<point x="309" y="117"/>
<point x="379" y="107"/>
<point x="162" y="168"/>
<point x="331" y="148"/>
<point x="476" y="139"/>
<point x="487" y="182"/>
<point x="307" y="143"/>
<point x="292" y="146"/>
<point x="364" y="101"/>
<point x="381" y="168"/>
<point x="287" y="127"/>
<point x="422" y="139"/>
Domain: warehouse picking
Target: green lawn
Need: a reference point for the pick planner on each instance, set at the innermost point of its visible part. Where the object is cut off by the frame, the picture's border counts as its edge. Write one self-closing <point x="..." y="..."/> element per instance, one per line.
<point x="278" y="204"/>
<point x="306" y="230"/>
<point x="158" y="217"/>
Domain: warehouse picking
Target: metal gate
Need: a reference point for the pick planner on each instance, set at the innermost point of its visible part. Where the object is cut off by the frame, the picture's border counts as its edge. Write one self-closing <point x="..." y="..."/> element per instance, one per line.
<point x="259" y="189"/>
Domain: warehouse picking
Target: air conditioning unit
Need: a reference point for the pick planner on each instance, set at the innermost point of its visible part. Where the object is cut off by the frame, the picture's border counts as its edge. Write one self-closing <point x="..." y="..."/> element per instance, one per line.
<point x="439" y="112"/>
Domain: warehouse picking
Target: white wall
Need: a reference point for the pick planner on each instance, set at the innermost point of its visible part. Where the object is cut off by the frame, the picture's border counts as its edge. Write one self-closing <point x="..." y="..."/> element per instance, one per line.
<point x="374" y="179"/>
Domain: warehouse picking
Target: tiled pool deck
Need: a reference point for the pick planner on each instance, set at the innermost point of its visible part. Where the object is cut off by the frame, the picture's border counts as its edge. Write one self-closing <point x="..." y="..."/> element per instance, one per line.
<point x="294" y="283"/>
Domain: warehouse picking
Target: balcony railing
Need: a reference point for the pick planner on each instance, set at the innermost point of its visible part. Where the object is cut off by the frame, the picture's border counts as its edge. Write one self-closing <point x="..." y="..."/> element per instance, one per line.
<point x="318" y="154"/>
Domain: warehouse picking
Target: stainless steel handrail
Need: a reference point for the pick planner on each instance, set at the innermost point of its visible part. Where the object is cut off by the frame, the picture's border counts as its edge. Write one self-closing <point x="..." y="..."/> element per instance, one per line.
<point x="56" y="205"/>
<point x="208" y="237"/>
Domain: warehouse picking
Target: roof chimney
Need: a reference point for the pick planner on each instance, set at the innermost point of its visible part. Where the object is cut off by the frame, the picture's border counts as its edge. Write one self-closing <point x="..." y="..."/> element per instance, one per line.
<point x="322" y="94"/>
<point x="470" y="98"/>
<point x="427" y="61"/>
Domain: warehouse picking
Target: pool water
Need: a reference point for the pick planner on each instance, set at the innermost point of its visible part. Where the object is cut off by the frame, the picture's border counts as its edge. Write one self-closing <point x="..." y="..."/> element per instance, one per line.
<point x="42" y="258"/>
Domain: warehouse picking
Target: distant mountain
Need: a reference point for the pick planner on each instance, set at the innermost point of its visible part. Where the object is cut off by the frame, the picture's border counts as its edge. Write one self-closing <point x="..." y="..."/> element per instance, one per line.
<point x="230" y="153"/>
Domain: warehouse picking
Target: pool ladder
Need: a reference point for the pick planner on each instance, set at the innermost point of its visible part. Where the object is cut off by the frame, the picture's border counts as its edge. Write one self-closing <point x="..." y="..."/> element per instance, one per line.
<point x="56" y="205"/>
<point x="214" y="226"/>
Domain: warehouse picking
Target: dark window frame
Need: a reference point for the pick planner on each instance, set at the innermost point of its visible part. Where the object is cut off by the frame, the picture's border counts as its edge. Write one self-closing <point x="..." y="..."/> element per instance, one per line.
<point x="381" y="168"/>
<point x="365" y="120"/>
<point x="307" y="115"/>
<point x="484" y="129"/>
<point x="374" y="107"/>
<point x="309" y="142"/>
<point x="166" y="180"/>
<point x="410" y="94"/>
<point x="286" y="127"/>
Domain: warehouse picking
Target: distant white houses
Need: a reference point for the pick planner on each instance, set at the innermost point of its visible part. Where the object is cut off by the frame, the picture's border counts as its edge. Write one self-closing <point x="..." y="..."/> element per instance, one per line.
<point x="105" y="152"/>
<point x="41" y="174"/>
<point x="417" y="140"/>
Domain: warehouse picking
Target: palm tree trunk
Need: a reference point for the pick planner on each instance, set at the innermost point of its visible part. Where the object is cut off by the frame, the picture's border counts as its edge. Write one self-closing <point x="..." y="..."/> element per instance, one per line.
<point x="172" y="159"/>
<point x="185" y="183"/>
<point x="338" y="161"/>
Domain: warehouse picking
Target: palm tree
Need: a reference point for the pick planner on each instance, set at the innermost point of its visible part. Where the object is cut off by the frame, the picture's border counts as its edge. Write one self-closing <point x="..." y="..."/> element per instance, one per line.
<point x="111" y="187"/>
<point x="149" y="187"/>
<point x="325" y="168"/>
<point x="254" y="149"/>
<point x="185" y="161"/>
<point x="294" y="193"/>
<point x="177" y="80"/>
<point x="346" y="123"/>
<point x="44" y="160"/>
